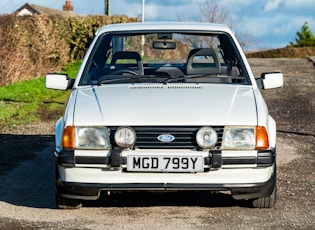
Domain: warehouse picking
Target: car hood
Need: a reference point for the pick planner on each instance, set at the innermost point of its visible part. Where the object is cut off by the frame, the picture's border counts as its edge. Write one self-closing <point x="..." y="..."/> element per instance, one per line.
<point x="166" y="105"/>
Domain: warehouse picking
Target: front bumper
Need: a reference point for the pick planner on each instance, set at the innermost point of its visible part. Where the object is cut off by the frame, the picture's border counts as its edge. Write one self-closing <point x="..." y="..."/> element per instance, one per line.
<point x="91" y="191"/>
<point x="250" y="176"/>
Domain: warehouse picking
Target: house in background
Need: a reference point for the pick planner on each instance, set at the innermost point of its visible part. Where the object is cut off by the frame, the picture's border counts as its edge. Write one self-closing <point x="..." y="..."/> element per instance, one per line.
<point x="31" y="9"/>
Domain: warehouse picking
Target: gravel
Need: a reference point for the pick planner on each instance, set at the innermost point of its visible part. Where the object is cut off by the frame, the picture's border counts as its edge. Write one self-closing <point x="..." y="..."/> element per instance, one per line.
<point x="27" y="192"/>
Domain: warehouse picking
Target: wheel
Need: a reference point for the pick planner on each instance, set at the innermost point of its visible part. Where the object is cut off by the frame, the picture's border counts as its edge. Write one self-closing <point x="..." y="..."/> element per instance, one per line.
<point x="266" y="202"/>
<point x="62" y="202"/>
<point x="66" y="203"/>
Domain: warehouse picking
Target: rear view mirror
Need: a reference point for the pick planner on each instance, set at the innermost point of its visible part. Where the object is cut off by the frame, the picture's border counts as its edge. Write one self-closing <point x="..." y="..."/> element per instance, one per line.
<point x="164" y="45"/>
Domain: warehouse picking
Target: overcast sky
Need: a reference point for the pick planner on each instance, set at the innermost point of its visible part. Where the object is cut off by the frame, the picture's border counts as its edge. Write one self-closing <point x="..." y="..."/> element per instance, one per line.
<point x="272" y="23"/>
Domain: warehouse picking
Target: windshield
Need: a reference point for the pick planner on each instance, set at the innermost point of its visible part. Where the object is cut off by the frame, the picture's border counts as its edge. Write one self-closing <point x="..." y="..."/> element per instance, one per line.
<point x="164" y="57"/>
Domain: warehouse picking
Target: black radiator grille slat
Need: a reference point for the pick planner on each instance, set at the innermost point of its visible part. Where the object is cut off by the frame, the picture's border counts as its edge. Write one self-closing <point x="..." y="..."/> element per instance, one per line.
<point x="185" y="137"/>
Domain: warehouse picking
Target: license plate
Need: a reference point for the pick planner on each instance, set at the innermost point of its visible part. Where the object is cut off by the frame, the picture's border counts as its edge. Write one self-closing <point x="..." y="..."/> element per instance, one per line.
<point x="165" y="163"/>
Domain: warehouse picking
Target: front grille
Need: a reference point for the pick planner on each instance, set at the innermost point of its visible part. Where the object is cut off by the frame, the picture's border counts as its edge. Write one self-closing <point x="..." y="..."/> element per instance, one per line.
<point x="185" y="137"/>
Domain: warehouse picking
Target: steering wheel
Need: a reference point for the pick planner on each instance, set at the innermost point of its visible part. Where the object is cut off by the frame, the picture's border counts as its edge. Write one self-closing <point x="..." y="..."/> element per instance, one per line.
<point x="122" y="71"/>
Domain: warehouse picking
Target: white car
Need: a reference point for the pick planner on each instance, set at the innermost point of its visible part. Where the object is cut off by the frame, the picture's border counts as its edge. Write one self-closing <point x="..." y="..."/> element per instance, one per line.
<point x="164" y="107"/>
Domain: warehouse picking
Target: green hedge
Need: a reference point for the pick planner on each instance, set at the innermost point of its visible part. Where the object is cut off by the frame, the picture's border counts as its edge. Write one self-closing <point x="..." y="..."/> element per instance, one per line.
<point x="31" y="46"/>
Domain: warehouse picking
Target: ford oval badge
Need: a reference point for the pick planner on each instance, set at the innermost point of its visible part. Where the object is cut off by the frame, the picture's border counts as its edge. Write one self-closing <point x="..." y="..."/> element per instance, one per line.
<point x="166" y="138"/>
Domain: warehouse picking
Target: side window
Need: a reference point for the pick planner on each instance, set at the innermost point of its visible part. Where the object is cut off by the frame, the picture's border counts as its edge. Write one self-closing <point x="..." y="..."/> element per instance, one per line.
<point x="95" y="66"/>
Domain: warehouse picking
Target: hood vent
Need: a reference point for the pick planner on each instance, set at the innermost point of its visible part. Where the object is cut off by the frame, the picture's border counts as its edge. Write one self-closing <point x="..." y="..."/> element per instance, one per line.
<point x="146" y="87"/>
<point x="184" y="87"/>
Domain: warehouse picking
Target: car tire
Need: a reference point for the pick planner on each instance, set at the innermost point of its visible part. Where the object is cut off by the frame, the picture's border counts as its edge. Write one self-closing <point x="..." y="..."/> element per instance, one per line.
<point x="66" y="203"/>
<point x="62" y="202"/>
<point x="266" y="202"/>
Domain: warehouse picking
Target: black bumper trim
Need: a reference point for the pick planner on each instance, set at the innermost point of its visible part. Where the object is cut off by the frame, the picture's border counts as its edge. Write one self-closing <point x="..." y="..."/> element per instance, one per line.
<point x="65" y="157"/>
<point x="265" y="158"/>
<point x="92" y="160"/>
<point x="238" y="160"/>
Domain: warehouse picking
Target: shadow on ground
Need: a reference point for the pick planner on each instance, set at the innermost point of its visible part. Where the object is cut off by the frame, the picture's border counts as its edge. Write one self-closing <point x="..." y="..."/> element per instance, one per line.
<point x="31" y="183"/>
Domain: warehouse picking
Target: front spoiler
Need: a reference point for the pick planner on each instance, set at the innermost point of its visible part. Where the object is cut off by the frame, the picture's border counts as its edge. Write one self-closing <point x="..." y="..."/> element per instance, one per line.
<point x="91" y="191"/>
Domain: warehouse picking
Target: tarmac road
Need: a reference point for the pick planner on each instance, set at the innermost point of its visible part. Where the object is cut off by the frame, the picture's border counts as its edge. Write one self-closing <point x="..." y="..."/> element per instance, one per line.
<point x="27" y="193"/>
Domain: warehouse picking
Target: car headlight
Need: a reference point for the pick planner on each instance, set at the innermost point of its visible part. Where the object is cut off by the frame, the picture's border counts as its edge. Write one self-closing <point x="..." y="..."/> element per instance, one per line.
<point x="245" y="138"/>
<point x="85" y="138"/>
<point x="125" y="137"/>
<point x="206" y="137"/>
<point x="238" y="138"/>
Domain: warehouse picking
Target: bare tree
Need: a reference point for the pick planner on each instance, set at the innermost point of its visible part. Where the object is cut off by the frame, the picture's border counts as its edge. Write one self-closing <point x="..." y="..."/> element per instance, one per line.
<point x="212" y="12"/>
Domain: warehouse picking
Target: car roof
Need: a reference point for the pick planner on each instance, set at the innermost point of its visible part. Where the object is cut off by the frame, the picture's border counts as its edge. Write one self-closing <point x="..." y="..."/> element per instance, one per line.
<point x="172" y="26"/>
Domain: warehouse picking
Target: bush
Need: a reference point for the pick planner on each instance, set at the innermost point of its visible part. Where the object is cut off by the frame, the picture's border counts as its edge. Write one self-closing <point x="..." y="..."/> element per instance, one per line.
<point x="31" y="46"/>
<point x="287" y="52"/>
<point x="83" y="29"/>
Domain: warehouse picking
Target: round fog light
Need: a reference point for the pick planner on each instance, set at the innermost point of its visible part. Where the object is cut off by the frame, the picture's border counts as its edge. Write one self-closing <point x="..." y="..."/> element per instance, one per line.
<point x="125" y="137"/>
<point x="206" y="137"/>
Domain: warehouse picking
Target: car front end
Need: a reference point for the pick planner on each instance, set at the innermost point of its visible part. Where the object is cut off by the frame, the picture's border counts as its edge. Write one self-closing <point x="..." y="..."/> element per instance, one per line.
<point x="165" y="126"/>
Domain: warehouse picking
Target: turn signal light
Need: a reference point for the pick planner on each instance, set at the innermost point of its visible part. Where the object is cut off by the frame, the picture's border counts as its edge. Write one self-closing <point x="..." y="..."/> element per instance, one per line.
<point x="262" y="141"/>
<point x="68" y="138"/>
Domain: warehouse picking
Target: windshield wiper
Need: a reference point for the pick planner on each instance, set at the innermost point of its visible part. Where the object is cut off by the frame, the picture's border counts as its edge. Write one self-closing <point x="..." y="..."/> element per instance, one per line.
<point x="170" y="80"/>
<point x="110" y="80"/>
<point x="129" y="79"/>
<point x="183" y="78"/>
<point x="200" y="75"/>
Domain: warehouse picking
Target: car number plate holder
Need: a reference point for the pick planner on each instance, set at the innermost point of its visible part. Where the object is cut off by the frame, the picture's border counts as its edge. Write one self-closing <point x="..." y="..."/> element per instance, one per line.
<point x="165" y="163"/>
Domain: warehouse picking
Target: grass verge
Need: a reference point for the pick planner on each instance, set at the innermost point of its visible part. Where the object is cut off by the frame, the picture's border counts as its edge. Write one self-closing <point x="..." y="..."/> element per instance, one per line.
<point x="29" y="101"/>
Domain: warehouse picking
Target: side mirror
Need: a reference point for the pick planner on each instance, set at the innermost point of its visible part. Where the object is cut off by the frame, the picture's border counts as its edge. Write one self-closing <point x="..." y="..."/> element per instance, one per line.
<point x="58" y="81"/>
<point x="270" y="80"/>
